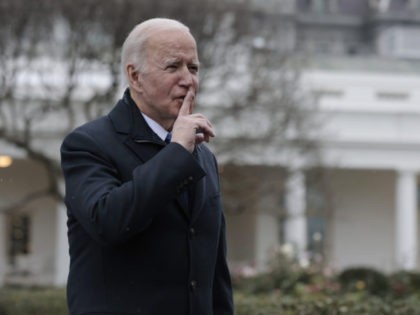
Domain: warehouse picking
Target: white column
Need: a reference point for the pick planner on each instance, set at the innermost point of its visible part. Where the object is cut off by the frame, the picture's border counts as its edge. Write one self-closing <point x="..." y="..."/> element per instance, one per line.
<point x="62" y="259"/>
<point x="383" y="5"/>
<point x="266" y="239"/>
<point x="406" y="220"/>
<point x="3" y="248"/>
<point x="295" y="229"/>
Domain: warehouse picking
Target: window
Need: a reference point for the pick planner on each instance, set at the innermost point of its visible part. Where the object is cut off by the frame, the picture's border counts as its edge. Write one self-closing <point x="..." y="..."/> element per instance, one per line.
<point x="392" y="96"/>
<point x="19" y="240"/>
<point x="319" y="6"/>
<point x="316" y="235"/>
<point x="324" y="6"/>
<point x="321" y="93"/>
<point x="400" y="42"/>
<point x="318" y="212"/>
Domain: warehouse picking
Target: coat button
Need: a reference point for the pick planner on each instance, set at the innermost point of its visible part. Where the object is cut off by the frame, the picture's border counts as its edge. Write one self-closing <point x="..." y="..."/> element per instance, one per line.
<point x="192" y="231"/>
<point x="193" y="285"/>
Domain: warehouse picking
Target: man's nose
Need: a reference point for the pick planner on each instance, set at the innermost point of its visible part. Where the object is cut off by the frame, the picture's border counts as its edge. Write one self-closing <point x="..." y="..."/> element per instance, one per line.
<point x="187" y="78"/>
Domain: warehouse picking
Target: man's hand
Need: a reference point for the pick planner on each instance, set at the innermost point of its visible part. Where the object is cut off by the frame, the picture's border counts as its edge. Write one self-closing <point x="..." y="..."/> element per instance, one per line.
<point x="190" y="129"/>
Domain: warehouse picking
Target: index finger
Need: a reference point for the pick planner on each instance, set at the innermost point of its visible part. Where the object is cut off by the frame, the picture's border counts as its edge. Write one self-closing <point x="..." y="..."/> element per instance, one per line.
<point x="187" y="104"/>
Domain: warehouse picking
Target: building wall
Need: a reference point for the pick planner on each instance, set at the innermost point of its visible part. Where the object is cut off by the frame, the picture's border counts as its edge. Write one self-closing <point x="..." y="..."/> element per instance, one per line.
<point x="20" y="179"/>
<point x="363" y="223"/>
<point x="43" y="240"/>
<point x="36" y="266"/>
<point x="241" y="238"/>
<point x="373" y="127"/>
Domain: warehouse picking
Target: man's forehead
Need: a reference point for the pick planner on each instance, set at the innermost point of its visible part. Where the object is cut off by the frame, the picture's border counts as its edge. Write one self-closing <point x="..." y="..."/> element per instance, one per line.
<point x="173" y="47"/>
<point x="171" y="37"/>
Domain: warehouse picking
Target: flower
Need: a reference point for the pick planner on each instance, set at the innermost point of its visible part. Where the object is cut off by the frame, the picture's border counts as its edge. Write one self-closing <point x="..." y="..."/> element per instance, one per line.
<point x="360" y="285"/>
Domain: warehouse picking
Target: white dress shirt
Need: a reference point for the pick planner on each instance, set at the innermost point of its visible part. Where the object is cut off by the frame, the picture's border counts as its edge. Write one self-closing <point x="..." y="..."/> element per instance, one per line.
<point x="157" y="129"/>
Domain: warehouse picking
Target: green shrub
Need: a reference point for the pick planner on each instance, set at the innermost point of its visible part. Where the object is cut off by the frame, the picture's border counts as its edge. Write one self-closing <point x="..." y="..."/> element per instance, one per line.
<point x="364" y="279"/>
<point x="299" y="301"/>
<point x="283" y="280"/>
<point x="345" y="304"/>
<point x="404" y="283"/>
<point x="287" y="288"/>
<point x="284" y="274"/>
<point x="32" y="301"/>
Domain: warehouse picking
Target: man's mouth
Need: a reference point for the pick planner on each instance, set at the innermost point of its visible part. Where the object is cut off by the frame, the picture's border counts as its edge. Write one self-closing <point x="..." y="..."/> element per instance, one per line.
<point x="180" y="99"/>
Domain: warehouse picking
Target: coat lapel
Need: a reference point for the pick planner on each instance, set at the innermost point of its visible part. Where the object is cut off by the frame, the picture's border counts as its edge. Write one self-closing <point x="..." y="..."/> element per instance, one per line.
<point x="128" y="120"/>
<point x="198" y="191"/>
<point x="143" y="150"/>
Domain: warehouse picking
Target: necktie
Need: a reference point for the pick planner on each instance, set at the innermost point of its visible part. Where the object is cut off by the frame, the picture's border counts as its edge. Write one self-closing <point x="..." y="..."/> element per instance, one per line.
<point x="168" y="138"/>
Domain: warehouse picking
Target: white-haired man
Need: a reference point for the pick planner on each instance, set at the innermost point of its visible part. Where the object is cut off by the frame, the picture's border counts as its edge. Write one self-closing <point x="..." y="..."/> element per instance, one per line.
<point x="145" y="222"/>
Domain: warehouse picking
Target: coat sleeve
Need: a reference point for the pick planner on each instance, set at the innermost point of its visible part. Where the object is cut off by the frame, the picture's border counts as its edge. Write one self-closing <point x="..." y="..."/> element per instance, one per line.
<point x="112" y="211"/>
<point x="222" y="287"/>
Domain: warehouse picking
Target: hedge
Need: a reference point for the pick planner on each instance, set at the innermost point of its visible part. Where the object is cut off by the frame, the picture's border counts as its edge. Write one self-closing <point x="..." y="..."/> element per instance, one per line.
<point x="37" y="301"/>
<point x="32" y="301"/>
<point x="355" y="291"/>
<point x="348" y="304"/>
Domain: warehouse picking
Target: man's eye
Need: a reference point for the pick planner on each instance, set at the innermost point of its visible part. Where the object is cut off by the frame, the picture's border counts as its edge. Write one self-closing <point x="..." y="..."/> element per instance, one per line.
<point x="193" y="69"/>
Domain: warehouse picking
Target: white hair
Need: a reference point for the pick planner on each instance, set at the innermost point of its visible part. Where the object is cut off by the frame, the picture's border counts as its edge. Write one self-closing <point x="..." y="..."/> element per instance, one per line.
<point x="134" y="47"/>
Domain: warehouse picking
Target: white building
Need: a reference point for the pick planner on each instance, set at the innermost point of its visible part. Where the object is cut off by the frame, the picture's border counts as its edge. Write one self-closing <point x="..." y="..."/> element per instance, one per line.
<point x="369" y="107"/>
<point x="371" y="148"/>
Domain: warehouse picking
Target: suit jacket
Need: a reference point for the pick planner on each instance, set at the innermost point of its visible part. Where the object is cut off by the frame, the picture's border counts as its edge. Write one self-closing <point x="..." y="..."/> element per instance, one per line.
<point x="135" y="248"/>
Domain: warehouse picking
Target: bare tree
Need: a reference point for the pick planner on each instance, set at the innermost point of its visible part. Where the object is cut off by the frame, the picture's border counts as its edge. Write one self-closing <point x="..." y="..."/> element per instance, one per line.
<point x="60" y="67"/>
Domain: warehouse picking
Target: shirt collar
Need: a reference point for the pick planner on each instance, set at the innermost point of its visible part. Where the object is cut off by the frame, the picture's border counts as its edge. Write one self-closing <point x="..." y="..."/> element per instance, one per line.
<point x="157" y="129"/>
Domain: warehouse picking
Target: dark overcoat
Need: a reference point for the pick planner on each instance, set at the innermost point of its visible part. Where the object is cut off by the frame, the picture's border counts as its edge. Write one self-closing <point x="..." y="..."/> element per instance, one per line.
<point x="135" y="246"/>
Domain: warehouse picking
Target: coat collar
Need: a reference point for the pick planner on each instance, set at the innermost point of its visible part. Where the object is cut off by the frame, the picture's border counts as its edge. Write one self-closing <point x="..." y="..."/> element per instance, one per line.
<point x="127" y="119"/>
<point x="129" y="122"/>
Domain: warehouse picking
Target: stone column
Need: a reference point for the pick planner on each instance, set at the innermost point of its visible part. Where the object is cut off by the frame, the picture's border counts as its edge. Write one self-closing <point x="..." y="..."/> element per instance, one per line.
<point x="3" y="248"/>
<point x="62" y="259"/>
<point x="266" y="239"/>
<point x="406" y="220"/>
<point x="295" y="198"/>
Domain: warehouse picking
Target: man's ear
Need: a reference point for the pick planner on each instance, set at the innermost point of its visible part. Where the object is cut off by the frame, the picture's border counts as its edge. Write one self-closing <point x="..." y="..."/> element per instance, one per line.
<point x="133" y="77"/>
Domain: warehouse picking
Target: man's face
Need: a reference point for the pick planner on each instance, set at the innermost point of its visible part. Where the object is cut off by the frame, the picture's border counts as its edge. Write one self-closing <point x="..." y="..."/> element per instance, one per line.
<point x="171" y="70"/>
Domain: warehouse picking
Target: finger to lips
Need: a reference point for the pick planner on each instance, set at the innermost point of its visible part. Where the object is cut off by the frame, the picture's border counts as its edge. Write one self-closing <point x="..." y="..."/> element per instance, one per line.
<point x="187" y="104"/>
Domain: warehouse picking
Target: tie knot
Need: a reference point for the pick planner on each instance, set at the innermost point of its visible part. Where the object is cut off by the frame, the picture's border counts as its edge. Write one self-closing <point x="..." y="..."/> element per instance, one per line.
<point x="168" y="138"/>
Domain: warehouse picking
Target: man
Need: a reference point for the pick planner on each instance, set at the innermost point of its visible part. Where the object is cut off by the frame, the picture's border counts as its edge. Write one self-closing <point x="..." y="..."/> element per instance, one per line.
<point x="145" y="222"/>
